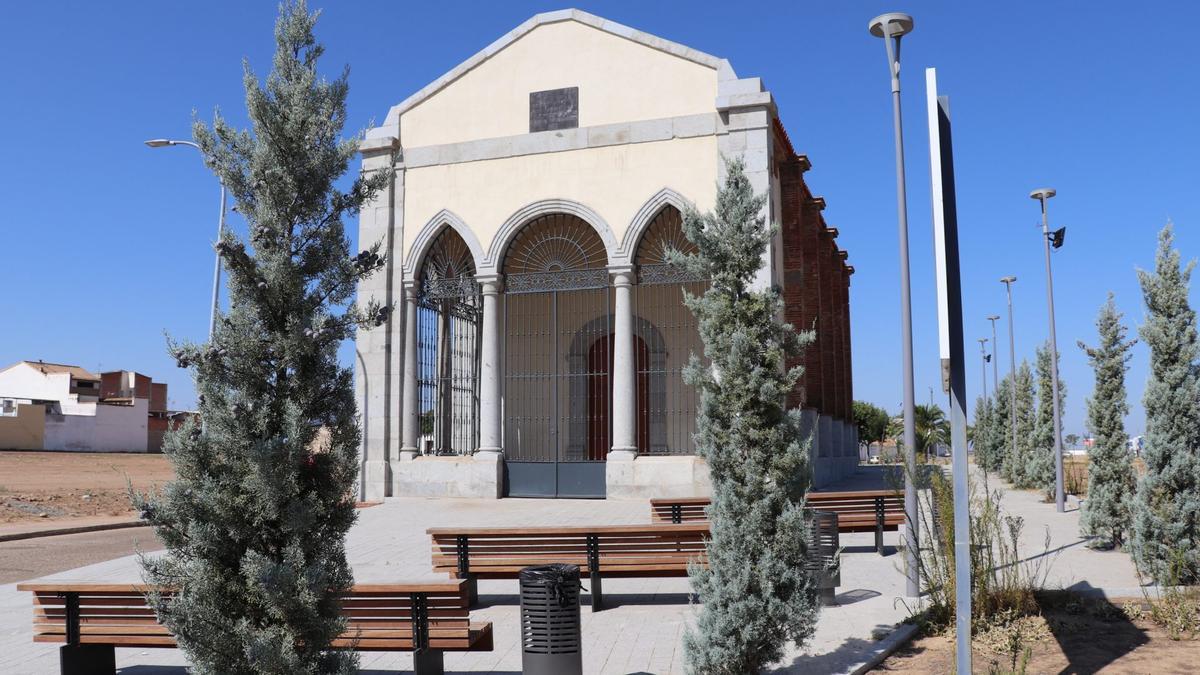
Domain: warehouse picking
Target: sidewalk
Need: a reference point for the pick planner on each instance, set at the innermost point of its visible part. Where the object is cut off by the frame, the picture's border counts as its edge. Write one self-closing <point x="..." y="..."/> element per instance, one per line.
<point x="1053" y="539"/>
<point x="641" y="633"/>
<point x="46" y="528"/>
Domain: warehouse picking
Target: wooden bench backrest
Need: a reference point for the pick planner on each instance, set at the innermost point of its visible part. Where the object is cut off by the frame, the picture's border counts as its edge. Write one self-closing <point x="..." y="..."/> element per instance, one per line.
<point x="682" y="510"/>
<point x="380" y="615"/>
<point x="616" y="550"/>
<point x="848" y="505"/>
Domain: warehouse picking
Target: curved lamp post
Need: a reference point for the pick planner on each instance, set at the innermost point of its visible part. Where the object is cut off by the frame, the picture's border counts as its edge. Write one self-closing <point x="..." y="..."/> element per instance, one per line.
<point x="216" y="288"/>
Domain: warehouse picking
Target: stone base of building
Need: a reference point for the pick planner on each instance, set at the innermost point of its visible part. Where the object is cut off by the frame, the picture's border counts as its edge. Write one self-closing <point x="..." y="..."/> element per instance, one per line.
<point x="478" y="476"/>
<point x="646" y="477"/>
<point x="378" y="480"/>
<point x="834" y="456"/>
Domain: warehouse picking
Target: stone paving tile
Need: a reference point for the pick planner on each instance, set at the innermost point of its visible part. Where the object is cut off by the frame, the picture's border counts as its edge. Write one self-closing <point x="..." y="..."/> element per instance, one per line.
<point x="641" y="631"/>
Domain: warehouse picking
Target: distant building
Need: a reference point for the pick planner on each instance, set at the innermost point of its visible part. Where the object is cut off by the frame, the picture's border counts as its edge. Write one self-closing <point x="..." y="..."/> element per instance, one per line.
<point x="54" y="406"/>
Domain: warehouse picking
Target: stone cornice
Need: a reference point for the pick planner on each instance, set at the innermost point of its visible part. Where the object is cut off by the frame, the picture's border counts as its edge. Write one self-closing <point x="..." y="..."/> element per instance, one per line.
<point x="563" y="140"/>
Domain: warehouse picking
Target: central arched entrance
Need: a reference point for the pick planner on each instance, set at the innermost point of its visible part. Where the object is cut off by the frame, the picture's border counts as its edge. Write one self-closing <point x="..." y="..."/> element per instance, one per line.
<point x="557" y="365"/>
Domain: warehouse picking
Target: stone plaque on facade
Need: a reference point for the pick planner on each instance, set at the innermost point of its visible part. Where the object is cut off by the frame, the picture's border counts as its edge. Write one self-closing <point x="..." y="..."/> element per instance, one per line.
<point x="554" y="109"/>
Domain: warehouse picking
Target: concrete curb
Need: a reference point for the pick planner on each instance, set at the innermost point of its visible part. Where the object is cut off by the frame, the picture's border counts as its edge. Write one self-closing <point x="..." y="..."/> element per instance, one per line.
<point x="79" y="529"/>
<point x="884" y="648"/>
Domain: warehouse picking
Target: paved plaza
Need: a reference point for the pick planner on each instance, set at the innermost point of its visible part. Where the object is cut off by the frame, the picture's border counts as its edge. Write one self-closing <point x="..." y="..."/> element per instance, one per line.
<point x="642" y="630"/>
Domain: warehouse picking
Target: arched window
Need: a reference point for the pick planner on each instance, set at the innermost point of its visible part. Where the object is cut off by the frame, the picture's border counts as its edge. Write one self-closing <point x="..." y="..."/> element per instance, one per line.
<point x="448" y="332"/>
<point x="666" y="406"/>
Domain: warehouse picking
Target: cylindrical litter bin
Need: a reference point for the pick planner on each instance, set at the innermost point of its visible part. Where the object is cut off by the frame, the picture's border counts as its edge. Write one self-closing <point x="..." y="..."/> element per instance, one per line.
<point x="550" y="635"/>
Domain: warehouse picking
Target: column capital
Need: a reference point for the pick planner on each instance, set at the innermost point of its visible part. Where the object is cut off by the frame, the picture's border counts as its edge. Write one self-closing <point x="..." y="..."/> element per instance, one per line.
<point x="490" y="284"/>
<point x="622" y="275"/>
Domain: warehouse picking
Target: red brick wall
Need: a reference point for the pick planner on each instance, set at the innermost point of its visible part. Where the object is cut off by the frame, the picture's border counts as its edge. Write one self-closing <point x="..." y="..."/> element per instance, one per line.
<point x="816" y="295"/>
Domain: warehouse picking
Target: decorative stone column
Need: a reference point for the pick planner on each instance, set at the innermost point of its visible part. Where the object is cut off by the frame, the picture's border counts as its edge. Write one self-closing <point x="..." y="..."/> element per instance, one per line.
<point x="490" y="444"/>
<point x="624" y="375"/>
<point x="410" y="424"/>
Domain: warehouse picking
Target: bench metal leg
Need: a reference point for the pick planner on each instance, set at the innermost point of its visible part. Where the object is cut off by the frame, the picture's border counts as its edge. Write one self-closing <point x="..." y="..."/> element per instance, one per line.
<point x="87" y="660"/>
<point x="462" y="550"/>
<point x="428" y="662"/>
<point x="879" y="525"/>
<point x="593" y="555"/>
<point x="597" y="593"/>
<point x="472" y="591"/>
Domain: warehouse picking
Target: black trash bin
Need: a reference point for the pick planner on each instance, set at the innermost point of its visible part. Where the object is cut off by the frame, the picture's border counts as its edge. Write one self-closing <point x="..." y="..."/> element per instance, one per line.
<point x="550" y="635"/>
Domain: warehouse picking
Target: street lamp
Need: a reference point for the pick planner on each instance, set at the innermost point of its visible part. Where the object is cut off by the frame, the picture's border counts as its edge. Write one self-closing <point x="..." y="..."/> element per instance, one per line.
<point x="891" y="27"/>
<point x="995" y="361"/>
<point x="212" y="317"/>
<point x="1012" y="360"/>
<point x="983" y="361"/>
<point x="1042" y="194"/>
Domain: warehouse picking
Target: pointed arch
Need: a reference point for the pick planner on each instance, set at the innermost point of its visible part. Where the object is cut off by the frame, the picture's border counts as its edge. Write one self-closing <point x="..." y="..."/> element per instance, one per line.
<point x="511" y="227"/>
<point x="429" y="232"/>
<point x="646" y="215"/>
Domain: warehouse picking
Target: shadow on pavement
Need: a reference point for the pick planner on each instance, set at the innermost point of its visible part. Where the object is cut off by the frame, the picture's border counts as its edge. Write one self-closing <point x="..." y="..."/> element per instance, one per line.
<point x="856" y="595"/>
<point x="847" y="655"/>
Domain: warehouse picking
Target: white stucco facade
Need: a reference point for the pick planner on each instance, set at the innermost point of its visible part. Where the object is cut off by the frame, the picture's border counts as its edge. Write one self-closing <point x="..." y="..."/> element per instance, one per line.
<point x="96" y="427"/>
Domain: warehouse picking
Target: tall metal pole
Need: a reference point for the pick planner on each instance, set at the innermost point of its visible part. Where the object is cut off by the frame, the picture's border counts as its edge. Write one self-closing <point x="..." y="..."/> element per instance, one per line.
<point x="216" y="292"/>
<point x="1059" y="498"/>
<point x="1012" y="360"/>
<point x="891" y="27"/>
<point x="995" y="358"/>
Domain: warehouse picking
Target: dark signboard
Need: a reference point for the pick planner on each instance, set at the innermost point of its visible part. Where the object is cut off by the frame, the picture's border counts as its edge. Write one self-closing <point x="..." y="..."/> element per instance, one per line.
<point x="554" y="109"/>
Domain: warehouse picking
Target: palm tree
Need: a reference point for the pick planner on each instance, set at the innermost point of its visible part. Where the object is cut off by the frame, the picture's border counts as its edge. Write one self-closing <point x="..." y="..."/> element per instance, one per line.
<point x="933" y="428"/>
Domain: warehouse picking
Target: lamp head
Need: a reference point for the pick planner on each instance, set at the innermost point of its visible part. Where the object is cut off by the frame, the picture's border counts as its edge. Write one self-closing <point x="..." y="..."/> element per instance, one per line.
<point x="1057" y="237"/>
<point x="1007" y="280"/>
<point x="1042" y="194"/>
<point x="994" y="317"/>
<point x="892" y="24"/>
<point x="159" y="142"/>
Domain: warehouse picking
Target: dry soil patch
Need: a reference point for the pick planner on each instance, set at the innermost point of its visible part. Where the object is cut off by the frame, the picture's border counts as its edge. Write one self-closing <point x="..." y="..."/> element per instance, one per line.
<point x="60" y="486"/>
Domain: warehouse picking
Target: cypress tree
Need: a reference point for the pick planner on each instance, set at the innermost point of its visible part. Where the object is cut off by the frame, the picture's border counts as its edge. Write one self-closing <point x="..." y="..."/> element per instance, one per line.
<point x="1018" y="457"/>
<point x="255" y="522"/>
<point x="756" y="591"/>
<point x="1106" y="511"/>
<point x="1040" y="468"/>
<point x="981" y="431"/>
<point x="1166" y="531"/>
<point x="1000" y="439"/>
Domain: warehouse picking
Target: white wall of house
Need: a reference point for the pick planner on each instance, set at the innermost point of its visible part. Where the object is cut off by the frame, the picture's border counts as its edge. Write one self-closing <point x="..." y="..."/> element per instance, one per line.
<point x="26" y="381"/>
<point x="94" y="427"/>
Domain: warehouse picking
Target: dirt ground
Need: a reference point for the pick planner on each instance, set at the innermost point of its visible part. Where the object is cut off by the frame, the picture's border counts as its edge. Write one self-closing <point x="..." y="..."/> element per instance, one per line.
<point x="53" y="486"/>
<point x="1065" y="639"/>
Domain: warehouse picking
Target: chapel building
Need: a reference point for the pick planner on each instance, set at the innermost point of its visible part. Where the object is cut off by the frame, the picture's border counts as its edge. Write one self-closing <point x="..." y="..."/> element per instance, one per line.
<point x="539" y="335"/>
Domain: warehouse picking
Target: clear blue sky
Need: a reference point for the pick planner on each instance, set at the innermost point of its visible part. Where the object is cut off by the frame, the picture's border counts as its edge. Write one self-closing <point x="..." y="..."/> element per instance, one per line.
<point x="106" y="243"/>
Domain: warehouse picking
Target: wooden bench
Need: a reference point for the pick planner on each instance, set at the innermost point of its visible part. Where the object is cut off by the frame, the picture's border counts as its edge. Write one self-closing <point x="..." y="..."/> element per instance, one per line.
<point x="474" y="553"/>
<point x="858" y="511"/>
<point x="91" y="619"/>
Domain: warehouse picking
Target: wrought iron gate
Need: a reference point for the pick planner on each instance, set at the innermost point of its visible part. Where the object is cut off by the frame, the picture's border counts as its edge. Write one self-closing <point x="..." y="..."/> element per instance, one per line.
<point x="558" y="361"/>
<point x="448" y="337"/>
<point x="666" y="405"/>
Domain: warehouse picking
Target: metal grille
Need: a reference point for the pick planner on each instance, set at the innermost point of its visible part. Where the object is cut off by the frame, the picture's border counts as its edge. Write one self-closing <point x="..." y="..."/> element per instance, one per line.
<point x="667" y="335"/>
<point x="558" y="358"/>
<point x="448" y="333"/>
